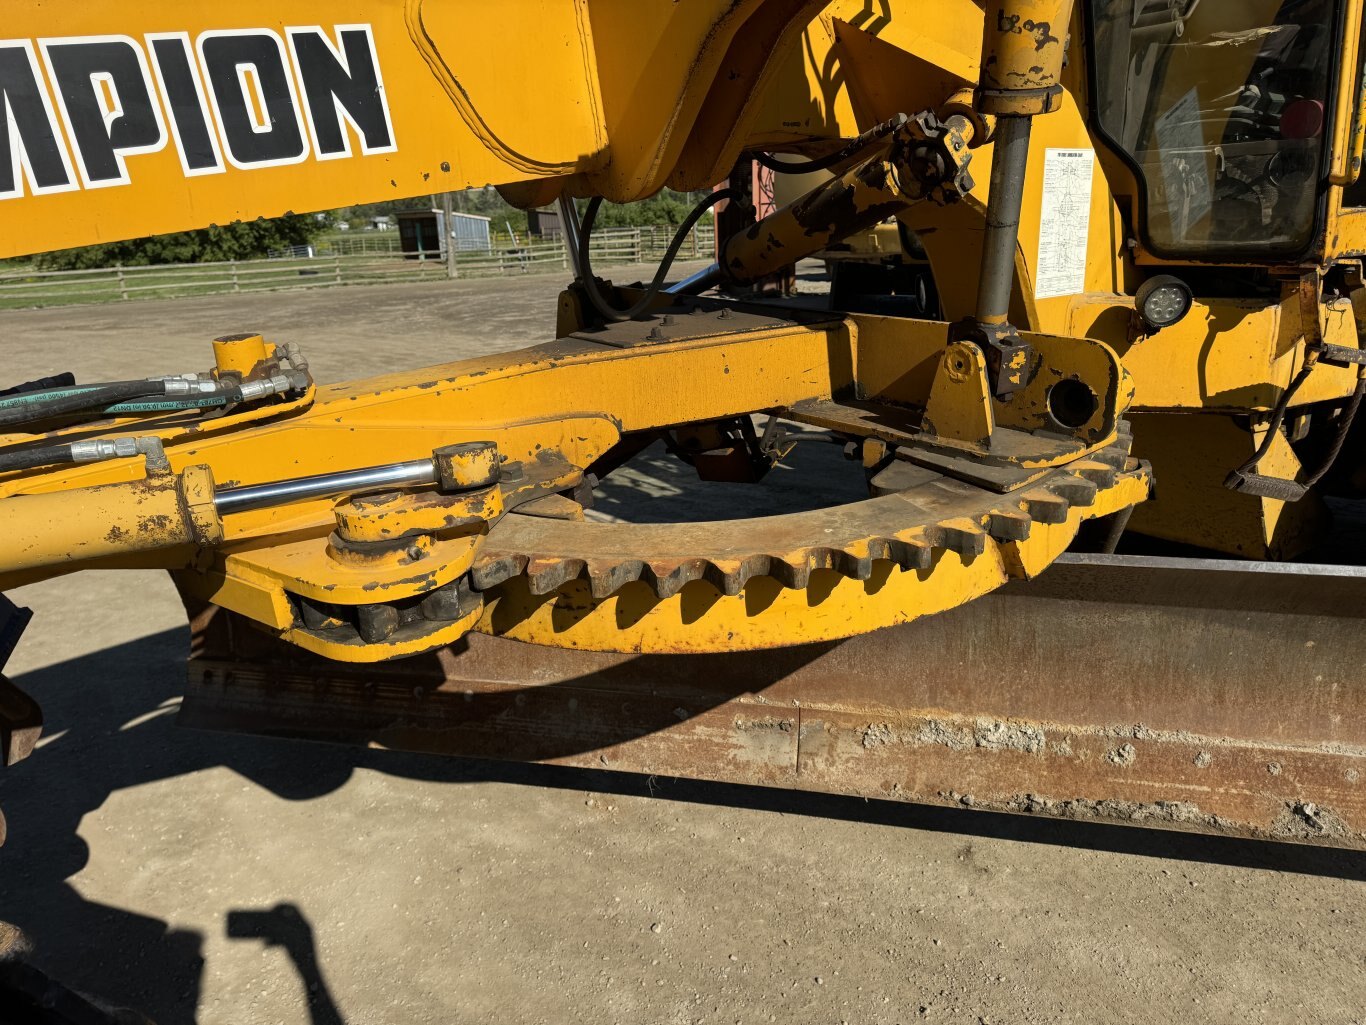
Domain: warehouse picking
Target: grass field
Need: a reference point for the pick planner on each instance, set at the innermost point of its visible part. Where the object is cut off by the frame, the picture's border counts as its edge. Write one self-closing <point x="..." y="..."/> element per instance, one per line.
<point x="339" y="258"/>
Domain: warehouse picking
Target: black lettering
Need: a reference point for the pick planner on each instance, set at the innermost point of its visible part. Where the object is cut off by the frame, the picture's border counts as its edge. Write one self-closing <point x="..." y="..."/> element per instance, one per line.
<point x="194" y="134"/>
<point x="100" y="140"/>
<point x="350" y="82"/>
<point x="281" y="140"/>
<point x="28" y="136"/>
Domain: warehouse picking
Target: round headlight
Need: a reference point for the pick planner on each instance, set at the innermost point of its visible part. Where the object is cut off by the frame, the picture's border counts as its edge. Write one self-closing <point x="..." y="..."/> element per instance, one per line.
<point x="1162" y="301"/>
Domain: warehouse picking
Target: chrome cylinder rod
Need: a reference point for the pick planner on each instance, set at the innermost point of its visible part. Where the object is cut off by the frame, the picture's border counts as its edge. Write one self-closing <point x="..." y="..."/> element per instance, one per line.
<point x="1008" y="166"/>
<point x="700" y="281"/>
<point x="325" y="485"/>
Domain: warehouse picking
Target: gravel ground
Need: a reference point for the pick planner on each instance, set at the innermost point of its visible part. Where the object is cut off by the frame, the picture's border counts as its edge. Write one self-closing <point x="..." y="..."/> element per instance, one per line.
<point x="234" y="881"/>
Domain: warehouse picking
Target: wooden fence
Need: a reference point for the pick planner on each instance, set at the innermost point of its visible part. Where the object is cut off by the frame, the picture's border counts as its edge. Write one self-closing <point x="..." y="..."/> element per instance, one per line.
<point x="21" y="289"/>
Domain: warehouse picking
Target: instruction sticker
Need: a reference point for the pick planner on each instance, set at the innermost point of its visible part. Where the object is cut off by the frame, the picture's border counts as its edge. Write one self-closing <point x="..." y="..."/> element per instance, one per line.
<point x="1064" y="222"/>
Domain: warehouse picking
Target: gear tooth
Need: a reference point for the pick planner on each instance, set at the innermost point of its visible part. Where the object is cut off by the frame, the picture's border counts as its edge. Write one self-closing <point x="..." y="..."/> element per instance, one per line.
<point x="915" y="549"/>
<point x="964" y="537"/>
<point x="911" y="555"/>
<point x="1097" y="471"/>
<point x="317" y="615"/>
<point x="763" y="566"/>
<point x="853" y="564"/>
<point x="1121" y="446"/>
<point x="545" y="575"/>
<point x="793" y="571"/>
<point x="759" y="566"/>
<point x="669" y="577"/>
<point x="493" y="568"/>
<point x="1115" y="456"/>
<point x="1045" y="507"/>
<point x="607" y="577"/>
<point x="376" y="623"/>
<point x="727" y="575"/>
<point x="656" y="574"/>
<point x="1009" y="525"/>
<point x="1077" y="490"/>
<point x="822" y="558"/>
<point x="845" y="550"/>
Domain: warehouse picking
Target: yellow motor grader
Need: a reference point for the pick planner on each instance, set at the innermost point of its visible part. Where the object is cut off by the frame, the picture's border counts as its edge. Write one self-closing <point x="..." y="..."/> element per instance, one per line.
<point x="1145" y="225"/>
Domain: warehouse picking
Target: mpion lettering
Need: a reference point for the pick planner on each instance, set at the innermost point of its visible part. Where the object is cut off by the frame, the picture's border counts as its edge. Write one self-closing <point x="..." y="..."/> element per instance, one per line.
<point x="32" y="151"/>
<point x="243" y="98"/>
<point x="105" y="93"/>
<point x="342" y="86"/>
<point x="253" y="92"/>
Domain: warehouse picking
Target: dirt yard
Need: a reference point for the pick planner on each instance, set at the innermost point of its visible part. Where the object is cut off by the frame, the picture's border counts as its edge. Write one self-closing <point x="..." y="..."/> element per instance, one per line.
<point x="238" y="881"/>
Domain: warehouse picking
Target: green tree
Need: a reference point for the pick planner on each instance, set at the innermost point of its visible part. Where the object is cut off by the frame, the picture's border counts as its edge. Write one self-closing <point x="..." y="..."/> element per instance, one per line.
<point x="241" y="240"/>
<point x="668" y="207"/>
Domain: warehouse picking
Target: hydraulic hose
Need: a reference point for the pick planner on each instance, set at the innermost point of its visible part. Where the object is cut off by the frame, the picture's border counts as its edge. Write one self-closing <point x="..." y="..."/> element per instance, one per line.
<point x="585" y="268"/>
<point x="30" y="406"/>
<point x="27" y="459"/>
<point x="1274" y="425"/>
<point x="1293" y="491"/>
<point x="1349" y="415"/>
<point x="840" y="155"/>
<point x="65" y="380"/>
<point x="89" y="451"/>
<point x="162" y="395"/>
<point x="155" y="405"/>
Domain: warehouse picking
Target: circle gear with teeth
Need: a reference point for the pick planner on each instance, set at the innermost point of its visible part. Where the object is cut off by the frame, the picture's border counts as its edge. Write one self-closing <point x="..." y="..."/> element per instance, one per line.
<point x="774" y="581"/>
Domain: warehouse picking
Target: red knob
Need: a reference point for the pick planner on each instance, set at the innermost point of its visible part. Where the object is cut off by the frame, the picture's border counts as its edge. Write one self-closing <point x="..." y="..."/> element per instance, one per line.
<point x="1302" y="119"/>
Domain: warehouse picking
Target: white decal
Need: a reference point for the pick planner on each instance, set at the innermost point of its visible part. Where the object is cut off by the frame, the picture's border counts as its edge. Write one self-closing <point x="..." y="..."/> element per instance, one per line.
<point x="342" y="89"/>
<point x="248" y="97"/>
<point x="37" y="154"/>
<point x="107" y="77"/>
<point x="1064" y="222"/>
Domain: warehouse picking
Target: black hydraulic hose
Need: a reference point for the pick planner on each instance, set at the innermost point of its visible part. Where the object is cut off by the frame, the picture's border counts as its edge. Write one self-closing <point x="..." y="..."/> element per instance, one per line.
<point x="27" y="459"/>
<point x="42" y="384"/>
<point x="585" y="267"/>
<point x="1345" y="421"/>
<point x="1349" y="414"/>
<point x="26" y="408"/>
<point x="840" y="155"/>
<point x="1277" y="416"/>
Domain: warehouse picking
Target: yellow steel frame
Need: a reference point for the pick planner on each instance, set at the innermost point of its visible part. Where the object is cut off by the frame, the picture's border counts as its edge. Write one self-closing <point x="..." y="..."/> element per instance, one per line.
<point x="620" y="100"/>
<point x="1230" y="356"/>
<point x="610" y="101"/>
<point x="316" y="549"/>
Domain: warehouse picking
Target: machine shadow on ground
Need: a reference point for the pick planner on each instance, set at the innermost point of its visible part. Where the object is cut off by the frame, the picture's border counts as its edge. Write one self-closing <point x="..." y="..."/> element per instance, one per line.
<point x="110" y="720"/>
